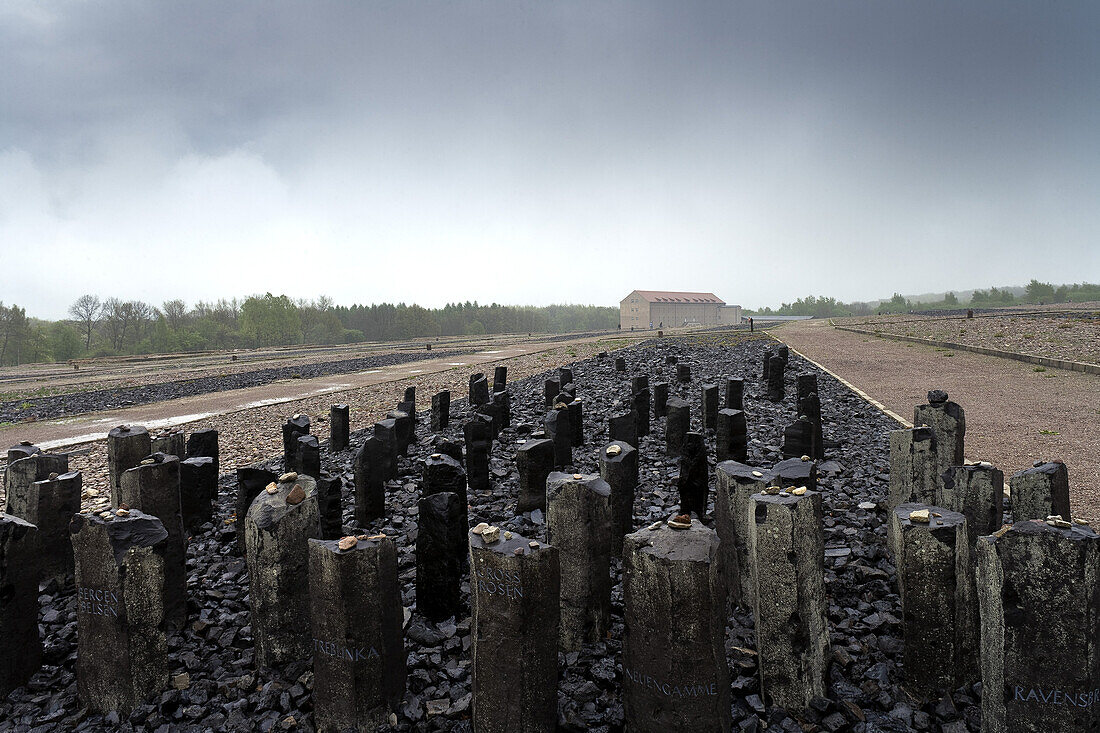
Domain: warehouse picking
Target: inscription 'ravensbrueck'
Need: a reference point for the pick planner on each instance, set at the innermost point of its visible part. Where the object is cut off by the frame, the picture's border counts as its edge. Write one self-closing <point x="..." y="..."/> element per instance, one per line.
<point x="667" y="688"/>
<point x="498" y="582"/>
<point x="345" y="652"/>
<point x="1022" y="693"/>
<point x="97" y="602"/>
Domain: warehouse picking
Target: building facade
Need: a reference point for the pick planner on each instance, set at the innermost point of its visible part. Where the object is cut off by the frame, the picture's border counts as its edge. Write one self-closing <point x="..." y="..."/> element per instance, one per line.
<point x="646" y="309"/>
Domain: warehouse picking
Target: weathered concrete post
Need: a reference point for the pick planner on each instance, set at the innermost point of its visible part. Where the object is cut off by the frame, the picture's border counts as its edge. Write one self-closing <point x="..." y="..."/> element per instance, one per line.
<point x="550" y="391"/>
<point x="279" y="525"/>
<point x="735" y="393"/>
<point x="912" y="467"/>
<point x="977" y="491"/>
<point x="732" y="438"/>
<point x="294" y="428"/>
<point x="153" y="487"/>
<point x="639" y="401"/>
<point x="479" y="389"/>
<point x="339" y="427"/>
<point x="1040" y="491"/>
<point x="204" y="444"/>
<point x="710" y="407"/>
<point x="623" y="426"/>
<point x="534" y="462"/>
<point x="1040" y="618"/>
<point x="683" y="373"/>
<point x="126" y="446"/>
<point x="309" y="456"/>
<point x="441" y="535"/>
<point x="516" y="585"/>
<point x="932" y="556"/>
<point x="576" y="423"/>
<point x="122" y="650"/>
<point x="660" y="399"/>
<point x="20" y="643"/>
<point x="51" y="505"/>
<point x="675" y="673"/>
<point x="677" y="425"/>
<point x="733" y="505"/>
<point x="776" y="385"/>
<point x="948" y="423"/>
<point x="556" y="424"/>
<point x="619" y="468"/>
<point x="171" y="442"/>
<point x="787" y="547"/>
<point x="441" y="410"/>
<point x="198" y="490"/>
<point x="578" y="523"/>
<point x="358" y="645"/>
<point x="694" y="478"/>
<point x="478" y="432"/>
<point x="250" y="482"/>
<point x="370" y="482"/>
<point x="386" y="433"/>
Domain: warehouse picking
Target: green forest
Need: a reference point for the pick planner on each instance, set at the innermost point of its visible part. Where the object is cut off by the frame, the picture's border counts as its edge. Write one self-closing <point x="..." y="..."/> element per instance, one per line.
<point x="111" y="327"/>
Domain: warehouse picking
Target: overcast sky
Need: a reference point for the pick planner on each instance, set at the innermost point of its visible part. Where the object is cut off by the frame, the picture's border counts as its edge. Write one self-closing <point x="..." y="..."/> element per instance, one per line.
<point x="540" y="152"/>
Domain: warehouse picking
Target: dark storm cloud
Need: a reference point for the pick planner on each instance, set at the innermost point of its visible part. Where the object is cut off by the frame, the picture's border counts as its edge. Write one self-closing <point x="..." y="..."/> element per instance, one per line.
<point x="882" y="145"/>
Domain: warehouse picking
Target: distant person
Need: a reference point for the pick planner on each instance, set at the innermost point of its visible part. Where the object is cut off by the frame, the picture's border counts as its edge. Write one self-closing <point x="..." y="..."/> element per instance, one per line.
<point x="750" y="324"/>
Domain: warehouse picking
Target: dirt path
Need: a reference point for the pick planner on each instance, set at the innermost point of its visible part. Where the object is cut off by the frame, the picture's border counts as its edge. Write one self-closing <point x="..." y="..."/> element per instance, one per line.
<point x="1015" y="415"/>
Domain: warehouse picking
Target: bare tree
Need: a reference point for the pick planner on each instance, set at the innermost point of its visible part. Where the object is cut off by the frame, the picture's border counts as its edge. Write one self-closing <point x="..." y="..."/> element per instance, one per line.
<point x="86" y="311"/>
<point x="117" y="316"/>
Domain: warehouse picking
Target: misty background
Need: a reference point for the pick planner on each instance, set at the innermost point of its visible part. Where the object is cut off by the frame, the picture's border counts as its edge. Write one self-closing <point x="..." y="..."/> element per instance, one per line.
<point x="537" y="153"/>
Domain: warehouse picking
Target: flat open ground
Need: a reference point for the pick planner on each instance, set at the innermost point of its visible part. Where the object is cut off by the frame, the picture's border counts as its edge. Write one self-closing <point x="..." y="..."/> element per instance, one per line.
<point x="1014" y="414"/>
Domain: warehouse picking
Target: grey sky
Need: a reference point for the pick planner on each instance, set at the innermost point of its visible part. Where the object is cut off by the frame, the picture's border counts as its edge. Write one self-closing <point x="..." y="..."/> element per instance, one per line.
<point x="551" y="151"/>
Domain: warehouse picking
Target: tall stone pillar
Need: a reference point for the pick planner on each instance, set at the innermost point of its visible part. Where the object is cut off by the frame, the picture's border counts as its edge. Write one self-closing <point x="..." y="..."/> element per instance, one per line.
<point x="516" y="586"/>
<point x="623" y="426"/>
<point x="1040" y="491"/>
<point x="732" y="438"/>
<point x="977" y="491"/>
<point x="478" y="433"/>
<point x="330" y="506"/>
<point x="386" y="432"/>
<point x="370" y="482"/>
<point x="309" y="456"/>
<point x="441" y="410"/>
<point x="500" y="378"/>
<point x="51" y="505"/>
<point x="694" y="481"/>
<point x="339" y="427"/>
<point x="122" y="650"/>
<point x="675" y="673"/>
<point x="683" y="373"/>
<point x="733" y="507"/>
<point x="440" y="543"/>
<point x="735" y="394"/>
<point x="443" y="473"/>
<point x="639" y="401"/>
<point x="280" y="524"/>
<point x="198" y="490"/>
<point x="660" y="399"/>
<point x="776" y="385"/>
<point x="620" y="364"/>
<point x="153" y="487"/>
<point x="948" y="423"/>
<point x="403" y="427"/>
<point x="358" y="644"/>
<point x="1040" y="618"/>
<point x="787" y="547"/>
<point x="578" y="523"/>
<point x="550" y="391"/>
<point x="677" y="425"/>
<point x="619" y="468"/>
<point x="171" y="442"/>
<point x="21" y="475"/>
<point x="932" y="556"/>
<point x="294" y="428"/>
<point x="912" y="467"/>
<point x="558" y="431"/>
<point x="20" y="643"/>
<point x="479" y="389"/>
<point x="534" y="462"/>
<point x="710" y="407"/>
<point x="204" y="444"/>
<point x="250" y="482"/>
<point x="126" y="446"/>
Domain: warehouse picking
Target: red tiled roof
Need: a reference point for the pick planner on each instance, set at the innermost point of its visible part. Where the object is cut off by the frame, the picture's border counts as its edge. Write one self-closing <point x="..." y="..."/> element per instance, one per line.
<point x="665" y="296"/>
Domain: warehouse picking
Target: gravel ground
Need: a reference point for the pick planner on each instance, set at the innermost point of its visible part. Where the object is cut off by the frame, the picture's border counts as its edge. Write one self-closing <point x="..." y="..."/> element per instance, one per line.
<point x="1073" y="336"/>
<point x="1015" y="415"/>
<point x="224" y="692"/>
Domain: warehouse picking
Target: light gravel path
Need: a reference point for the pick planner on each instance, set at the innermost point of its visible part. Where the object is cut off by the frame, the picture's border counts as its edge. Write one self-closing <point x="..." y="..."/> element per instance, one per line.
<point x="1007" y="402"/>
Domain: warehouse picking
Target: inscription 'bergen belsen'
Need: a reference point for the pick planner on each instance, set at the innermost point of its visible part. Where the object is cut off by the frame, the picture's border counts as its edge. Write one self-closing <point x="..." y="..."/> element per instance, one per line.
<point x="97" y="602"/>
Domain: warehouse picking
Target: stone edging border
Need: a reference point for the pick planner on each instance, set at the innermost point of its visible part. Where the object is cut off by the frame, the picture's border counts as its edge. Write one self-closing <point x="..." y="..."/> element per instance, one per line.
<point x="1073" y="366"/>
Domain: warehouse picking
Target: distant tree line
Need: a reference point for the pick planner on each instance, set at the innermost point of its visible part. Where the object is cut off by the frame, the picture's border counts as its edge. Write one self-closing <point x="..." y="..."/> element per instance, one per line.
<point x="112" y="327"/>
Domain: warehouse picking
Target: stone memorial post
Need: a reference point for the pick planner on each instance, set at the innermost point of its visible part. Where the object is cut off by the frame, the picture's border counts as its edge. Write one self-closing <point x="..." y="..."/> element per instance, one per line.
<point x="250" y="482"/>
<point x="932" y="556"/>
<point x="386" y="433"/>
<point x="556" y="425"/>
<point x="683" y="373"/>
<point x="660" y="399"/>
<point x="623" y="426"/>
<point x="677" y="425"/>
<point x="204" y="444"/>
<point x="23" y="450"/>
<point x="1040" y="491"/>
<point x="403" y="430"/>
<point x="451" y="448"/>
<point x="516" y="585"/>
<point x="171" y="442"/>
<point x="51" y="504"/>
<point x="294" y="428"/>
<point x="912" y="467"/>
<point x="198" y="490"/>
<point x="776" y="385"/>
<point x="443" y="473"/>
<point x="534" y="462"/>
<point x="565" y="376"/>
<point x="767" y="363"/>
<point x="410" y="397"/>
<point x="358" y="644"/>
<point x="550" y="391"/>
<point x="733" y="505"/>
<point x="620" y="364"/>
<point x="479" y="389"/>
<point x="732" y="435"/>
<point x="339" y="427"/>
<point x="478" y="432"/>
<point x="309" y="456"/>
<point x="153" y="487"/>
<point x="639" y="401"/>
<point x="126" y="446"/>
<point x="330" y="506"/>
<point x="21" y="475"/>
<point x="440" y="542"/>
<point x="441" y="410"/>
<point x="122" y="650"/>
<point x="500" y="378"/>
<point x="694" y="477"/>
<point x="370" y="482"/>
<point x="977" y="491"/>
<point x="576" y="423"/>
<point x="20" y="643"/>
<point x="619" y="468"/>
<point x="710" y="407"/>
<point x="578" y="523"/>
<point x="787" y="550"/>
<point x="675" y="673"/>
<point x="1040" y="618"/>
<point x="735" y="393"/>
<point x="794" y="472"/>
<point x="784" y="353"/>
<point x="948" y="423"/>
<point x="503" y="402"/>
<point x="279" y="525"/>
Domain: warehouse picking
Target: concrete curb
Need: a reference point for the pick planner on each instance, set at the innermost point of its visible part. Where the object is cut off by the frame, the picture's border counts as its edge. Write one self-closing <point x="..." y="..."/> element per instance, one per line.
<point x="1072" y="366"/>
